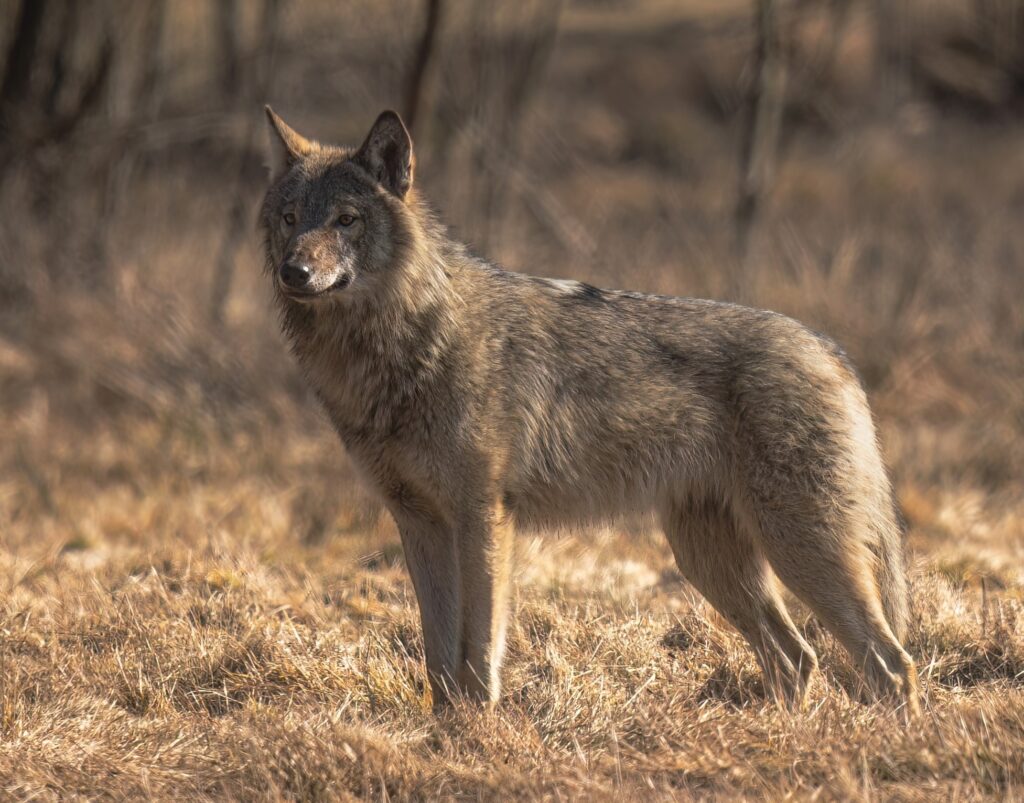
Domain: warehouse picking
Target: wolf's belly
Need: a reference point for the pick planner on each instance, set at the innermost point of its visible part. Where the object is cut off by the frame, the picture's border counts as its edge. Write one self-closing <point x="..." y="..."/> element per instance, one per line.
<point x="589" y="479"/>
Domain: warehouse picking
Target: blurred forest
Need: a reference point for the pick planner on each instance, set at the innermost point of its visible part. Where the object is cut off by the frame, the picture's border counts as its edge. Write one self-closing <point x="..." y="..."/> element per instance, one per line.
<point x="853" y="163"/>
<point x="554" y="136"/>
<point x="856" y="164"/>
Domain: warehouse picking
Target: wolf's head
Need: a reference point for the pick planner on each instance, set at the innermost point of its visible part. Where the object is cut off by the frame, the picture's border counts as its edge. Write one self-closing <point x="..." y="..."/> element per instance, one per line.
<point x="335" y="219"/>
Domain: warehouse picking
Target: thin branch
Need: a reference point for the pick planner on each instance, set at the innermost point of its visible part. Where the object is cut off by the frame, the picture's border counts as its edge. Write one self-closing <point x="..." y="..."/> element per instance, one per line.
<point x="421" y="74"/>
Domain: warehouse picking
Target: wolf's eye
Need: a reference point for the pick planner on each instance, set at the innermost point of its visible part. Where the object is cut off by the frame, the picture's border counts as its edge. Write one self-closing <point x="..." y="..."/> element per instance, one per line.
<point x="346" y="220"/>
<point x="289" y="218"/>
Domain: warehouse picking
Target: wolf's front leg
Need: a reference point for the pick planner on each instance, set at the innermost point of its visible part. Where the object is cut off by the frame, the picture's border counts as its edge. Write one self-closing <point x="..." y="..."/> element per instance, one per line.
<point x="433" y="565"/>
<point x="485" y="564"/>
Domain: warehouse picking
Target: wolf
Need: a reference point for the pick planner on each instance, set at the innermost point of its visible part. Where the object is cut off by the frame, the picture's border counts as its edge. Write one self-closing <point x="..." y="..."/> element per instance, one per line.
<point x="475" y="401"/>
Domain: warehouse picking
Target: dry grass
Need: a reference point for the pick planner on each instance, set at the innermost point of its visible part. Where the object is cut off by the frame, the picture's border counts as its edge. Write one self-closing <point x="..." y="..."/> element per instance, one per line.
<point x="197" y="601"/>
<point x="174" y="625"/>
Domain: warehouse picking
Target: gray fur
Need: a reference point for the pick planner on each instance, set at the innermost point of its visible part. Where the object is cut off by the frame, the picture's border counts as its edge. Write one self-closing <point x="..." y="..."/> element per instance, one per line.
<point x="475" y="401"/>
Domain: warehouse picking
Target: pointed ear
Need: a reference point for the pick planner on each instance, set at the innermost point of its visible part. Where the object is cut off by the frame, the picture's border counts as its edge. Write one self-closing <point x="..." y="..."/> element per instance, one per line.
<point x="286" y="145"/>
<point x="387" y="154"/>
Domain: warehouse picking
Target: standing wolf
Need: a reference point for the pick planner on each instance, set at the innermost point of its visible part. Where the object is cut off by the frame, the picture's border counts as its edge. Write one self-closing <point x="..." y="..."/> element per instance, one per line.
<point x="472" y="400"/>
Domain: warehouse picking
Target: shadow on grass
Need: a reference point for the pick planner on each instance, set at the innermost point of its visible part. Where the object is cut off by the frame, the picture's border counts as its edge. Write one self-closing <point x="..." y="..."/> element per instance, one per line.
<point x="977" y="664"/>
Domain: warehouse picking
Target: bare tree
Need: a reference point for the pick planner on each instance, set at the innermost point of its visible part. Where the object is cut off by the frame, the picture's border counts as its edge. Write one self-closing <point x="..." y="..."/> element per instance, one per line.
<point x="30" y="118"/>
<point x="760" y="135"/>
<point x="423" y="75"/>
<point x="21" y="54"/>
<point x="512" y="60"/>
<point x="526" y="80"/>
<point x="61" y="62"/>
<point x="229" y="57"/>
<point x="147" y="90"/>
<point x="57" y="70"/>
<point x="15" y="88"/>
<point x="143" y="105"/>
<point x="892" y="60"/>
<point x="238" y="217"/>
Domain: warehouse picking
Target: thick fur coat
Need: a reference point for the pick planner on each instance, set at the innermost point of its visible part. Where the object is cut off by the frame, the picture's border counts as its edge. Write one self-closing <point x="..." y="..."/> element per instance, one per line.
<point x="475" y="400"/>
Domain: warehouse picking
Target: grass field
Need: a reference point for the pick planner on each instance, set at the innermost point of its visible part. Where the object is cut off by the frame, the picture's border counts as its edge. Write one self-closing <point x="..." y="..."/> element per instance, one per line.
<point x="198" y="601"/>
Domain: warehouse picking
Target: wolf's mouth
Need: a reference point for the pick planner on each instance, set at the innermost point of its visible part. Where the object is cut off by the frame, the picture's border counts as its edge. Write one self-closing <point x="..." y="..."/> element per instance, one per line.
<point x="340" y="283"/>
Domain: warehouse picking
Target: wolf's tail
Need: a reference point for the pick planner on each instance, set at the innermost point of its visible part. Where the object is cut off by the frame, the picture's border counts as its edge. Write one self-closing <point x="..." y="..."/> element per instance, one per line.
<point x="891" y="572"/>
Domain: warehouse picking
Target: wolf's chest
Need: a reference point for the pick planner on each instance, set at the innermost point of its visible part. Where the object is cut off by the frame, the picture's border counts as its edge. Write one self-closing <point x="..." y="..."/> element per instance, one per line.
<point x="393" y="435"/>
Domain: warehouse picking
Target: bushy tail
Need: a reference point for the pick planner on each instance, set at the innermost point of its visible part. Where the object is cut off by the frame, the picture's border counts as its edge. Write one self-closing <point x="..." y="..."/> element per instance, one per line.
<point x="892" y="573"/>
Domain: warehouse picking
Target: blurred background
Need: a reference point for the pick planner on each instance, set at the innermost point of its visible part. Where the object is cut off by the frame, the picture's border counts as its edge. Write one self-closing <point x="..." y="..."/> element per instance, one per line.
<point x="197" y="600"/>
<point x="857" y="164"/>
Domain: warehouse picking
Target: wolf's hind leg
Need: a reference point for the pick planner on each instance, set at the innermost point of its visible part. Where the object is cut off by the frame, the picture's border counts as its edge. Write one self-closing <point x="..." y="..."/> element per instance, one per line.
<point x="820" y="555"/>
<point x="429" y="548"/>
<point x="723" y="562"/>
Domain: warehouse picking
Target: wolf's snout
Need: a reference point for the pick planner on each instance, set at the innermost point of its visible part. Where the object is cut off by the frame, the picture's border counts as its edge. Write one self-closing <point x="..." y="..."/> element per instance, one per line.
<point x="295" y="276"/>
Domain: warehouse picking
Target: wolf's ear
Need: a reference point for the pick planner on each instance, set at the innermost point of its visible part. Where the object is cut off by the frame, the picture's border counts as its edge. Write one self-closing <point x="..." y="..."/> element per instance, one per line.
<point x="387" y="154"/>
<point x="286" y="145"/>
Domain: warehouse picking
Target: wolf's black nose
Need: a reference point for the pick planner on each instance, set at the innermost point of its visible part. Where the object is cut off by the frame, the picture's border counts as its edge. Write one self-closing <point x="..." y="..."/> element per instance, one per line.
<point x="294" y="276"/>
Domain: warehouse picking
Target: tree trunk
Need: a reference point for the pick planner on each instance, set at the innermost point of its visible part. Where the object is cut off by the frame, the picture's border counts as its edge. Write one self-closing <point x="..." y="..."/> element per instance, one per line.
<point x="760" y="137"/>
<point x="239" y="214"/>
<point x="21" y="55"/>
<point x="422" y="77"/>
<point x="228" y="48"/>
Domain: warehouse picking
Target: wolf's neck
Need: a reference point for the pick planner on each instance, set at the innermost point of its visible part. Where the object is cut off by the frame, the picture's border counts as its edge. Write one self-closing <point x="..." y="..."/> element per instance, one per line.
<point x="398" y="335"/>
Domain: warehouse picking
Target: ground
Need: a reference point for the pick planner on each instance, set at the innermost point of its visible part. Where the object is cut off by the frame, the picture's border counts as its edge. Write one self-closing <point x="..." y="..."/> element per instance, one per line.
<point x="179" y="622"/>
